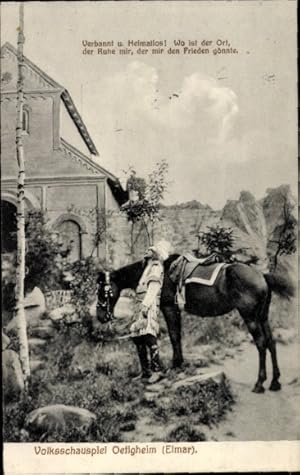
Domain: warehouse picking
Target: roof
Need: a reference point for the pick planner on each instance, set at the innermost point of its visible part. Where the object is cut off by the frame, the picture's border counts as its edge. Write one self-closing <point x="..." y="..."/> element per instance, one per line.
<point x="69" y="104"/>
<point x="120" y="195"/>
<point x="91" y="164"/>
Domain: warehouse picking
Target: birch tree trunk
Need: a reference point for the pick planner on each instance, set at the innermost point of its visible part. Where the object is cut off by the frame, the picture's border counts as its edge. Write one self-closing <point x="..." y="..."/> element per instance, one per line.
<point x="21" y="249"/>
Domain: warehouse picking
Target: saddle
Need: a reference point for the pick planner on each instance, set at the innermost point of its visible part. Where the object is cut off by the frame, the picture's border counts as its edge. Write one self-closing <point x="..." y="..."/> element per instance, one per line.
<point x="188" y="269"/>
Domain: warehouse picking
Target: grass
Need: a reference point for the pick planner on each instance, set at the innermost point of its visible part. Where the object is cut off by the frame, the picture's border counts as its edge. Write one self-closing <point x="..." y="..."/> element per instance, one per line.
<point x="104" y="390"/>
<point x="97" y="375"/>
<point x="207" y="403"/>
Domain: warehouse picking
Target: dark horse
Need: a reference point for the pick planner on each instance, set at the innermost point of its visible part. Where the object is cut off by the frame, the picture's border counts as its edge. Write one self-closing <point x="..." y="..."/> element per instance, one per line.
<point x="238" y="286"/>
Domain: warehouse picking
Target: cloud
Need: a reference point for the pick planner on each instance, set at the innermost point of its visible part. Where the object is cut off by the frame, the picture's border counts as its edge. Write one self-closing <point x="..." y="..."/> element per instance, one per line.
<point x="198" y="105"/>
<point x="143" y="120"/>
<point x="196" y="126"/>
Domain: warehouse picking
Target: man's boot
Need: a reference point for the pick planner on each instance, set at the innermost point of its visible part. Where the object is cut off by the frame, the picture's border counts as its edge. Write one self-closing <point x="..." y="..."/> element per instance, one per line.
<point x="157" y="374"/>
<point x="144" y="362"/>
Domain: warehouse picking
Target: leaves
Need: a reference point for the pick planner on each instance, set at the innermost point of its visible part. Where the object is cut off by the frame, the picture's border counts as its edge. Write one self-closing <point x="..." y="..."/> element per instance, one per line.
<point x="83" y="284"/>
<point x="218" y="239"/>
<point x="284" y="235"/>
<point x="150" y="193"/>
<point x="43" y="253"/>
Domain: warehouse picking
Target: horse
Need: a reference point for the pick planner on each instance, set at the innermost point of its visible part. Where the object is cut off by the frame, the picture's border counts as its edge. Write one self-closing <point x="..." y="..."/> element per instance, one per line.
<point x="238" y="286"/>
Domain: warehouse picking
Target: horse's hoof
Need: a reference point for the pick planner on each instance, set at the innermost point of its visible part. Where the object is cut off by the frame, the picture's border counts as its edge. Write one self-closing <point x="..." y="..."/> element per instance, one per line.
<point x="258" y="389"/>
<point x="275" y="386"/>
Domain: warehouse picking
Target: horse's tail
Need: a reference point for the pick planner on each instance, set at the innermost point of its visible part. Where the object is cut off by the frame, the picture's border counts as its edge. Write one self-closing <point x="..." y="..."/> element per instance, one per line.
<point x="280" y="285"/>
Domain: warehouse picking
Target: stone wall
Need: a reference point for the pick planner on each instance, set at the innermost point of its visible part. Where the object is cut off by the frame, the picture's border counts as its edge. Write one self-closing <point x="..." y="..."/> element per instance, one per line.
<point x="177" y="224"/>
<point x="253" y="223"/>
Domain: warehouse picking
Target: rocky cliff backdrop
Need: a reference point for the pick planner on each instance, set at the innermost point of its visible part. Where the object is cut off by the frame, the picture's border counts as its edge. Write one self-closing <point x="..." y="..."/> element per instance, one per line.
<point x="255" y="224"/>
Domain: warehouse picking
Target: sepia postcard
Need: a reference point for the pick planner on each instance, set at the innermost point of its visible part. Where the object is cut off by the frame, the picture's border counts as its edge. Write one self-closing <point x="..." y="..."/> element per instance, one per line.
<point x="149" y="236"/>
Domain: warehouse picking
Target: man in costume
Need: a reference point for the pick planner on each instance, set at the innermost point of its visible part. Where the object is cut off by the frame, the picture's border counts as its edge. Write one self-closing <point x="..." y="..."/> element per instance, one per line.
<point x="145" y="329"/>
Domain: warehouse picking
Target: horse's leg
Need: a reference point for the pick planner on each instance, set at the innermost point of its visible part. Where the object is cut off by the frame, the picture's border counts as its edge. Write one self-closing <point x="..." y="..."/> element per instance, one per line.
<point x="271" y="345"/>
<point x="173" y="318"/>
<point x="259" y="338"/>
<point x="275" y="384"/>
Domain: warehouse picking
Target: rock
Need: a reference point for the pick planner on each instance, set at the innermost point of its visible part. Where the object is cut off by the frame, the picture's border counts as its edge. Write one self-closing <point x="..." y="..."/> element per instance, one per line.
<point x="35" y="306"/>
<point x="123" y="315"/>
<point x="13" y="382"/>
<point x="83" y="359"/>
<point x="45" y="330"/>
<point x="93" y="309"/>
<point x="36" y="344"/>
<point x="58" y="417"/>
<point x="35" y="365"/>
<point x="128" y="427"/>
<point x="217" y="376"/>
<point x="155" y="388"/>
<point x="35" y="298"/>
<point x="5" y="341"/>
<point x="66" y="312"/>
<point x="284" y="335"/>
<point x="150" y="397"/>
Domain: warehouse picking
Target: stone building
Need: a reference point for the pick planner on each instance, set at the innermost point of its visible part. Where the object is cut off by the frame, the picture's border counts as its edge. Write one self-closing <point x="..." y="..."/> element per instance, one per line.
<point x="62" y="177"/>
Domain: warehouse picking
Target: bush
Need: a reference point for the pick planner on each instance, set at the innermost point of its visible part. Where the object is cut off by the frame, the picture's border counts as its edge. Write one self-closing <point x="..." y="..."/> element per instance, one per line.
<point x="43" y="260"/>
<point x="83" y="284"/>
<point x="210" y="401"/>
<point x="43" y="253"/>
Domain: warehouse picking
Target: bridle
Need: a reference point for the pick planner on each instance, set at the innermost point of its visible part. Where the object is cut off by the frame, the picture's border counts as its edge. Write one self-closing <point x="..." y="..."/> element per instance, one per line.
<point x="108" y="294"/>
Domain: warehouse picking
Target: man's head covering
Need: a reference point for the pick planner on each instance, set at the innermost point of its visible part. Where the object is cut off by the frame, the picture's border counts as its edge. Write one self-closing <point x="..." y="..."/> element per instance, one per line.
<point x="163" y="249"/>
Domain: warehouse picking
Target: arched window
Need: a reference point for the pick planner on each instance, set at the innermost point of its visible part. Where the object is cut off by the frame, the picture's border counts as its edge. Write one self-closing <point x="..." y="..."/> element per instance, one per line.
<point x="69" y="235"/>
<point x="25" y="120"/>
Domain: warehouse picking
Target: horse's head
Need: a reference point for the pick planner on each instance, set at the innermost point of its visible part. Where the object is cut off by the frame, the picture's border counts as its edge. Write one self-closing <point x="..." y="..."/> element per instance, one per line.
<point x="107" y="296"/>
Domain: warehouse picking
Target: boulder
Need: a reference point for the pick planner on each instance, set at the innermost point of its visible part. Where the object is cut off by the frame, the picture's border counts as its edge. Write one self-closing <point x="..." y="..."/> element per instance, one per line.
<point x="36" y="344"/>
<point x="58" y="417"/>
<point x="34" y="305"/>
<point x="124" y="311"/>
<point x="44" y="330"/>
<point x="150" y="397"/>
<point x="5" y="341"/>
<point x="13" y="381"/>
<point x="35" y="365"/>
<point x="66" y="312"/>
<point x="216" y="376"/>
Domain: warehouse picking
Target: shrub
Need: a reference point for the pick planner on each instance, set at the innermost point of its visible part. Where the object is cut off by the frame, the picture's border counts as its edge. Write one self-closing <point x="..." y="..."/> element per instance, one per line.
<point x="83" y="284"/>
<point x="43" y="253"/>
<point x="210" y="401"/>
<point x="43" y="260"/>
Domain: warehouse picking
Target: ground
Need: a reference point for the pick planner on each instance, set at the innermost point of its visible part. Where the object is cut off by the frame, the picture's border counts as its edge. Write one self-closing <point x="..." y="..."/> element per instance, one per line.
<point x="268" y="416"/>
<point x="97" y="375"/>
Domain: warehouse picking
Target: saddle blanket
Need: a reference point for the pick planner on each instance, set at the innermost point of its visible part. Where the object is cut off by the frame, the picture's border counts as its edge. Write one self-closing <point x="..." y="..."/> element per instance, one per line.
<point x="187" y="269"/>
<point x="205" y="275"/>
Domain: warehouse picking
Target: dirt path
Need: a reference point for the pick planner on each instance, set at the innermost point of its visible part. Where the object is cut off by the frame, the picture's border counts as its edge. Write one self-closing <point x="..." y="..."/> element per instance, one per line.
<point x="268" y="416"/>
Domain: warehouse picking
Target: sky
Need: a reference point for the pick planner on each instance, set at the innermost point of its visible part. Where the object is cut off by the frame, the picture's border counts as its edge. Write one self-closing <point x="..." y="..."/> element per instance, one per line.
<point x="232" y="123"/>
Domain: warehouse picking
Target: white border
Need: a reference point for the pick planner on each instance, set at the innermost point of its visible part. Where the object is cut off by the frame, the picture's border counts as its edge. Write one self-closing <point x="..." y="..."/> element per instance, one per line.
<point x="209" y="457"/>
